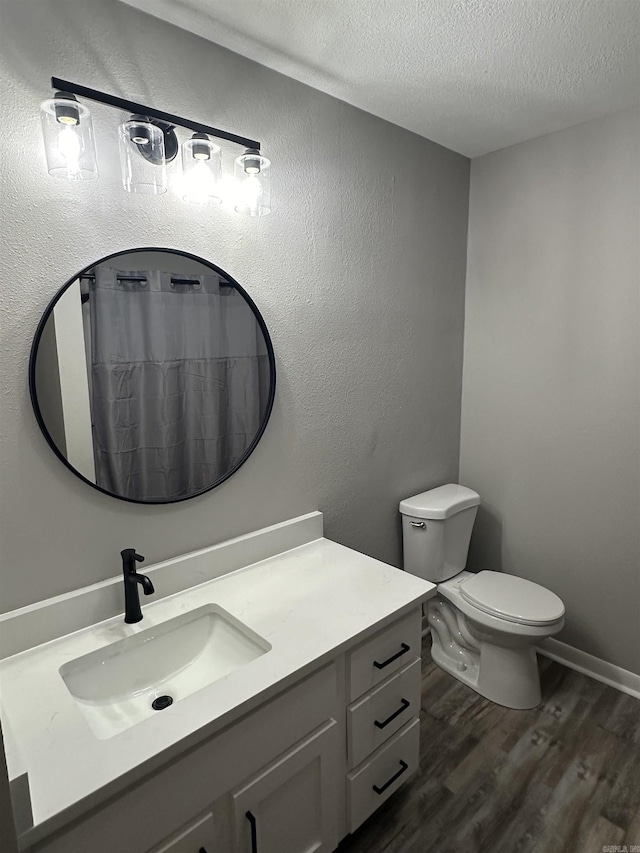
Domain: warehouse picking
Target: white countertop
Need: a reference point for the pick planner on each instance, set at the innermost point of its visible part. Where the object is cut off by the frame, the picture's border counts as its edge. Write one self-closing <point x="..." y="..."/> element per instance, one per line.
<point x="308" y="603"/>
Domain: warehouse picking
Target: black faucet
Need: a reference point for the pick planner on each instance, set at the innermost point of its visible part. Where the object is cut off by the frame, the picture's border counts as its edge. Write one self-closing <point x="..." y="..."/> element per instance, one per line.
<point x="132" y="611"/>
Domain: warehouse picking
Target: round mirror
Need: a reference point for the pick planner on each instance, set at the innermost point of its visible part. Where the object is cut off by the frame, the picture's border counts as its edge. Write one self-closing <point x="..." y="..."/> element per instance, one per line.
<point x="152" y="375"/>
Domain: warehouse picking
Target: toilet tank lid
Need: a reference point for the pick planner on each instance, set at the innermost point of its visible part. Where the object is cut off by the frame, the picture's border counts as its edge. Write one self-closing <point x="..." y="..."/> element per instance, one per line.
<point x="441" y="502"/>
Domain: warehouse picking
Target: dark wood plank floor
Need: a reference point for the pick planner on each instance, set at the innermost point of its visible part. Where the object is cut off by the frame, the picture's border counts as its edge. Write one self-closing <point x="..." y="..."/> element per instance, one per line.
<point x="563" y="778"/>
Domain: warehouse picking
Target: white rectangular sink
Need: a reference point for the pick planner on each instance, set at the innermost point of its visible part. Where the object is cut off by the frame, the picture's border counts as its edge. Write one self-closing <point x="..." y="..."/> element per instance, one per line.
<point x="115" y="686"/>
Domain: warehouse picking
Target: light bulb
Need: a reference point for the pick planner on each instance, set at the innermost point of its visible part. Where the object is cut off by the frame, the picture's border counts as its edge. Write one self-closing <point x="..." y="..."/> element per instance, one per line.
<point x="250" y="193"/>
<point x="201" y="170"/>
<point x="199" y="184"/>
<point x="70" y="146"/>
<point x="253" y="191"/>
<point x="68" y="139"/>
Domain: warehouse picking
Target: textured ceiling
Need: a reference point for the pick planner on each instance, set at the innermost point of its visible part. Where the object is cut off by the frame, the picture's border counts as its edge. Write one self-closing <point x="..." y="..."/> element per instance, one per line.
<point x="473" y="75"/>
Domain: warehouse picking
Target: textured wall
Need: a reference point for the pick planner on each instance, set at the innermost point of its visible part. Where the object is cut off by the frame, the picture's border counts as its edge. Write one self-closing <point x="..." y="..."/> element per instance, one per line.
<point x="359" y="273"/>
<point x="551" y="421"/>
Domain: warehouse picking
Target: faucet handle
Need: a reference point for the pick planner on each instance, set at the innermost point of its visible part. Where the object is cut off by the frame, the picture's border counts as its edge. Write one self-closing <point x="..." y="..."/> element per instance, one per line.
<point x="129" y="554"/>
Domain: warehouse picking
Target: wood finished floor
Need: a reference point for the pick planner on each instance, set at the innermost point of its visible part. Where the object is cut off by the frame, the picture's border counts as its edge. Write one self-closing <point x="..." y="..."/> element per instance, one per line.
<point x="563" y="778"/>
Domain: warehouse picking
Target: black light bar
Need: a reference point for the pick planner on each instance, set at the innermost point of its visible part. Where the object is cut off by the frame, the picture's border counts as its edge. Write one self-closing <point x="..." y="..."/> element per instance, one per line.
<point x="141" y="109"/>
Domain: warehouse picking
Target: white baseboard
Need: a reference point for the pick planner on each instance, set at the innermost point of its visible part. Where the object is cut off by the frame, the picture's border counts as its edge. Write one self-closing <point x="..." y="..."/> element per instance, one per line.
<point x="601" y="670"/>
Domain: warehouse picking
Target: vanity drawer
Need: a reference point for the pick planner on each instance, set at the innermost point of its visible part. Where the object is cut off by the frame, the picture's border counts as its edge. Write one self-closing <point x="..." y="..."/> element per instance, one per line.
<point x="382" y="773"/>
<point x="385" y="653"/>
<point x="382" y="712"/>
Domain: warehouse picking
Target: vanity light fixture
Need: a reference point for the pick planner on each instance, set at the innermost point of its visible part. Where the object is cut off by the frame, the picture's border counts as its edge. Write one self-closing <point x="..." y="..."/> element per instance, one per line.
<point x="142" y="156"/>
<point x="68" y="138"/>
<point x="148" y="141"/>
<point x="253" y="183"/>
<point x="201" y="170"/>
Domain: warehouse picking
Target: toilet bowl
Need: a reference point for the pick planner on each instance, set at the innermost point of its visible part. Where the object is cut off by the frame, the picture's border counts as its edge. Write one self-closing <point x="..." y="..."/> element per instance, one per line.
<point x="484" y="626"/>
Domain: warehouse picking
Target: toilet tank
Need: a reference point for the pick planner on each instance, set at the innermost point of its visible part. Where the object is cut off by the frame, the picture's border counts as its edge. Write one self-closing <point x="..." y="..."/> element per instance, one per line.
<point x="436" y="531"/>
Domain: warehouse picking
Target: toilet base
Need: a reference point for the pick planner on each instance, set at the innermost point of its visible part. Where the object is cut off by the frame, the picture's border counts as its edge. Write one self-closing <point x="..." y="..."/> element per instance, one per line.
<point x="500" y="667"/>
<point x="511" y="680"/>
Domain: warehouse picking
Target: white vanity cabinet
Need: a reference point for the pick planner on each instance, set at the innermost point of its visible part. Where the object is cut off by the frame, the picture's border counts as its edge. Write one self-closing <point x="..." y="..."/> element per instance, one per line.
<point x="383" y="725"/>
<point x="381" y="712"/>
<point x="303" y="722"/>
<point x="292" y="805"/>
<point x="199" y="837"/>
<point x="289" y="751"/>
<point x="295" y="775"/>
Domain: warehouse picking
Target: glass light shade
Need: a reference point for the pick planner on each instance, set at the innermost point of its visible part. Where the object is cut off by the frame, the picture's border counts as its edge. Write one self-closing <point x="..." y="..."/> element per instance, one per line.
<point x="142" y="157"/>
<point x="201" y="170"/>
<point x="253" y="184"/>
<point x="68" y="139"/>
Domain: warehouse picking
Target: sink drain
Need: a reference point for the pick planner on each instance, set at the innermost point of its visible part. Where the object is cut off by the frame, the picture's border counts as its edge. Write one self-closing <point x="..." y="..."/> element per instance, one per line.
<point x="161" y="702"/>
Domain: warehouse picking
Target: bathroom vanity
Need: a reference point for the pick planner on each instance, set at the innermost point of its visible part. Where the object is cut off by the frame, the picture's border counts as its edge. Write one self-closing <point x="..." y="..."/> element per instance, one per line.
<point x="294" y="666"/>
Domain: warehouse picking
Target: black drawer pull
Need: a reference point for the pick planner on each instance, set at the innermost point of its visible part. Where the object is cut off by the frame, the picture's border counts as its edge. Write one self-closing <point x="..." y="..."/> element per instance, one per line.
<point x="202" y="850"/>
<point x="254" y="832"/>
<point x="403" y="707"/>
<point x="404" y="648"/>
<point x="403" y="766"/>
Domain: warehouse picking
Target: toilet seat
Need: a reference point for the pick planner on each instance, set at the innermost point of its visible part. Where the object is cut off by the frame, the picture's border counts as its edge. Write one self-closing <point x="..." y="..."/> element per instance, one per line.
<point x="511" y="598"/>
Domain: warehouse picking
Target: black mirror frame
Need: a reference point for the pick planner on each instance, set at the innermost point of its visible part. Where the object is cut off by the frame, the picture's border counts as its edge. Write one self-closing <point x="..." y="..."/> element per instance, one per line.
<point x="36" y="342"/>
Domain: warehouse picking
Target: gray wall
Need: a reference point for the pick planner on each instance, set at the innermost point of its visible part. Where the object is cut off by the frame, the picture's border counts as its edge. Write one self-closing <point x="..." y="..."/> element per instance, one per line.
<point x="359" y="273"/>
<point x="551" y="426"/>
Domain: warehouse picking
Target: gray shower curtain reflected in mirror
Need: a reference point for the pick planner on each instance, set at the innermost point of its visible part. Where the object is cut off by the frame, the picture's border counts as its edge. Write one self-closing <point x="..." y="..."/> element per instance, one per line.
<point x="179" y="379"/>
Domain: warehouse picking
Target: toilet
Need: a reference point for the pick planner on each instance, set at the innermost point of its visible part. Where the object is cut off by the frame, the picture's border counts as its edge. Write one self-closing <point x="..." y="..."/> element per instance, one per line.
<point x="484" y="626"/>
